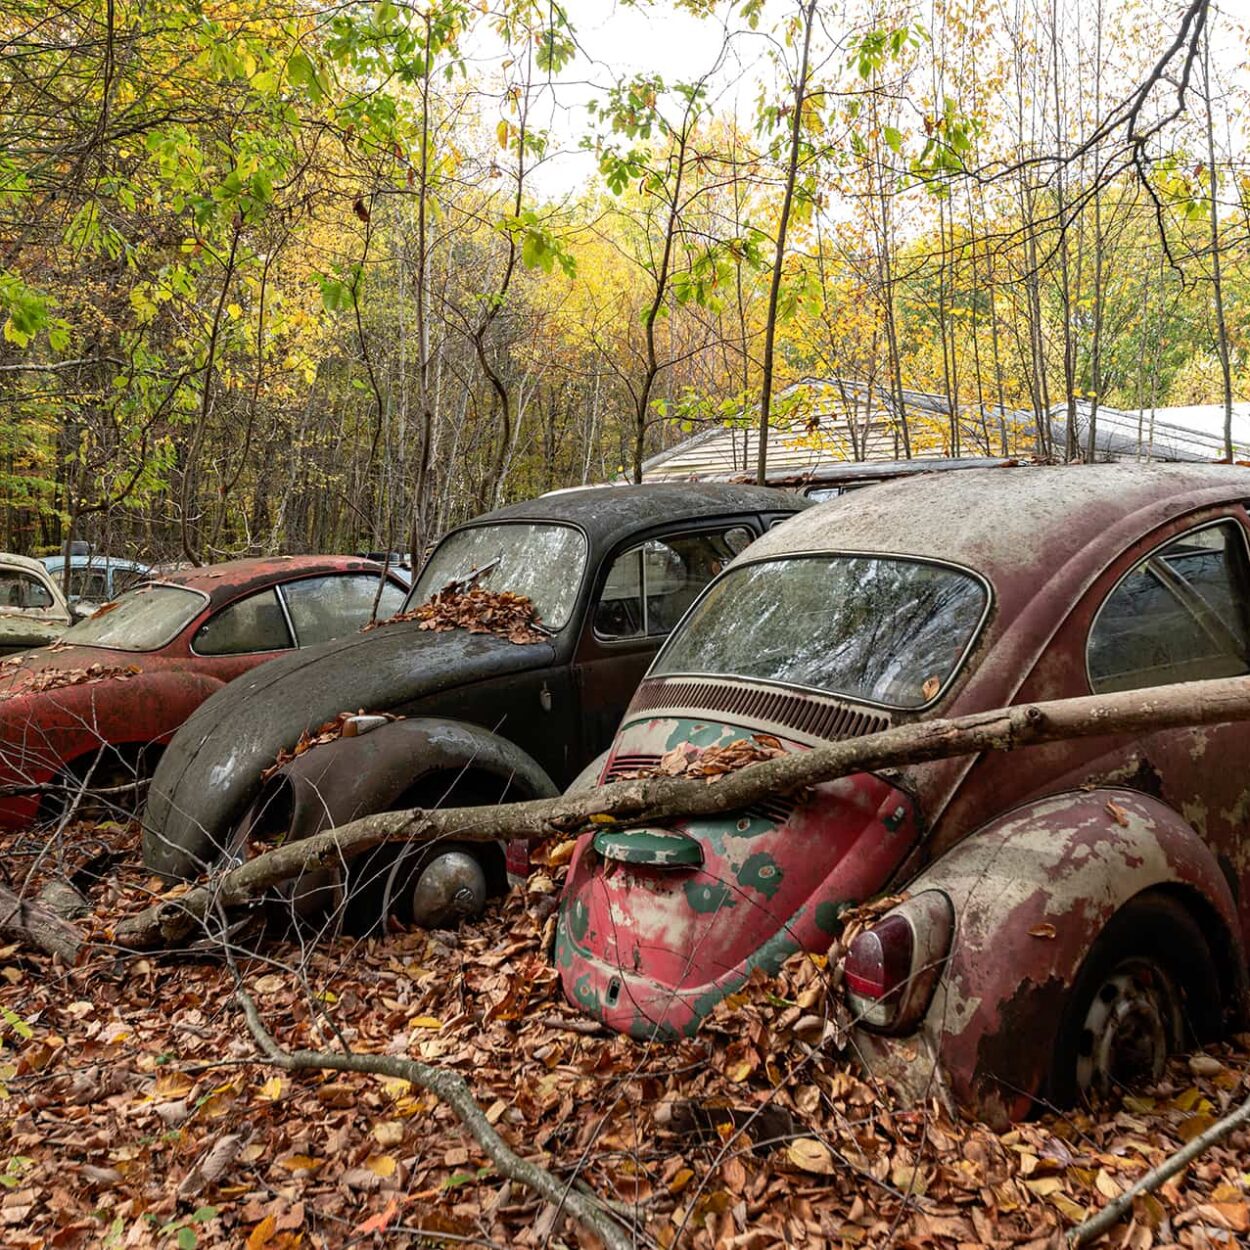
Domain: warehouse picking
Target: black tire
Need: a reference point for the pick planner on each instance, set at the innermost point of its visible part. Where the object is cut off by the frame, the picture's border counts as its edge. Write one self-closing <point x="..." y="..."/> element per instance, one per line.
<point x="1148" y="985"/>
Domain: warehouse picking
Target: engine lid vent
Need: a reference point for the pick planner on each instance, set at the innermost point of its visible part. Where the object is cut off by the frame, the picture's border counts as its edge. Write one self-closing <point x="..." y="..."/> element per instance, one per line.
<point x="818" y="716"/>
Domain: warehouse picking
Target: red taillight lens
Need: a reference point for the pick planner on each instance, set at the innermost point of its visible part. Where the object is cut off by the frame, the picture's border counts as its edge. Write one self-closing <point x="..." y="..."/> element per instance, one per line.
<point x="878" y="965"/>
<point x="516" y="858"/>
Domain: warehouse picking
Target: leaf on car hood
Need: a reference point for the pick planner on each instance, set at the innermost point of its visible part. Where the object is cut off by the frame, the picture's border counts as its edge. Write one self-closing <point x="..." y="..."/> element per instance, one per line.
<point x="57" y="678"/>
<point x="480" y="611"/>
<point x="688" y="760"/>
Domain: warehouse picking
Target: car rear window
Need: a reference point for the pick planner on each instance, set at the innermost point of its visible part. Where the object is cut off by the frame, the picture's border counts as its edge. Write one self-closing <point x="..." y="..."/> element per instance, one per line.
<point x="140" y="620"/>
<point x="883" y="630"/>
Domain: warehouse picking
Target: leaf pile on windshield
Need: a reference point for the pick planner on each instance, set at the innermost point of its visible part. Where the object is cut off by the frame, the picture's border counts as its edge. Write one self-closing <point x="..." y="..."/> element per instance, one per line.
<point x="480" y="611"/>
<point x="330" y="731"/>
<point x="688" y="760"/>
<point x="58" y="678"/>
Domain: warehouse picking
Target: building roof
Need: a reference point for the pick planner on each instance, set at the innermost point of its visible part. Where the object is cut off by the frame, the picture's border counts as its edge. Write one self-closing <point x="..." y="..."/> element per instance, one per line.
<point x="813" y="430"/>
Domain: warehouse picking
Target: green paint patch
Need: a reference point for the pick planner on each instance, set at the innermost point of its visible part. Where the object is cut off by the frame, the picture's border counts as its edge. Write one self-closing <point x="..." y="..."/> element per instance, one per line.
<point x="827" y="917"/>
<point x="700" y="734"/>
<point x="707" y="896"/>
<point x="761" y="872"/>
<point x="585" y="994"/>
<point x="577" y="915"/>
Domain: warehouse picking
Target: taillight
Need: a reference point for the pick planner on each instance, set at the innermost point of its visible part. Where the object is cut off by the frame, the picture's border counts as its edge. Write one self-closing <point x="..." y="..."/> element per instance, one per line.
<point x="892" y="967"/>
<point x="878" y="965"/>
<point x="516" y="858"/>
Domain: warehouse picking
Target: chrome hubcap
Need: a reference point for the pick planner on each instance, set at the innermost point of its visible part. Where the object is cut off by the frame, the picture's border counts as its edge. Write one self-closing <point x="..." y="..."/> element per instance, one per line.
<point x="1131" y="1026"/>
<point x="451" y="887"/>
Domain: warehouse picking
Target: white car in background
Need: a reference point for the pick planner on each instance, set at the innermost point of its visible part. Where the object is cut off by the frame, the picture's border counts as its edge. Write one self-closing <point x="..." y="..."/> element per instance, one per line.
<point x="33" y="612"/>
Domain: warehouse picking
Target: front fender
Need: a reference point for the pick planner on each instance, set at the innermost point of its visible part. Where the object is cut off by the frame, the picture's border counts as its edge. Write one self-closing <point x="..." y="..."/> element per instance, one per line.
<point x="352" y="777"/>
<point x="1031" y="892"/>
<point x="46" y="732"/>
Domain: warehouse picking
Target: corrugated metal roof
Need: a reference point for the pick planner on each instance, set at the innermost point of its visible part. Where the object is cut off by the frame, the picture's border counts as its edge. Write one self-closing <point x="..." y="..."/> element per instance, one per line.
<point x="821" y="421"/>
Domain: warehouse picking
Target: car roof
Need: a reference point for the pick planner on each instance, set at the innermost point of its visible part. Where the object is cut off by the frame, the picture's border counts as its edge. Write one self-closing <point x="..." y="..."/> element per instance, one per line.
<point x="1007" y="519"/>
<point x="231" y="578"/>
<point x="609" y="514"/>
<point x="22" y="562"/>
<point x="94" y="561"/>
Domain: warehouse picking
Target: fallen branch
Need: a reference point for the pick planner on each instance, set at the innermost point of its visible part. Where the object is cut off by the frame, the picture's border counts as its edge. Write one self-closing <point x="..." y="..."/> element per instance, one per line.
<point x="34" y="925"/>
<point x="1117" y="1208"/>
<point x="651" y="800"/>
<point x="587" y="1209"/>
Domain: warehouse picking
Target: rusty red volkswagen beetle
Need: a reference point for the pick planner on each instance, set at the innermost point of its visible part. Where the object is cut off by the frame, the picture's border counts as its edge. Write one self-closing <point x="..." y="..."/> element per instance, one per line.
<point x="94" y="710"/>
<point x="1071" y="913"/>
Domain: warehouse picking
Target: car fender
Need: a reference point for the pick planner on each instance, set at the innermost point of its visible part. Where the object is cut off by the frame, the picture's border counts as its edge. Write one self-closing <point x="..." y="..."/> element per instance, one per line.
<point x="588" y="778"/>
<point x="47" y="732"/>
<point x="340" y="781"/>
<point x="1031" y="891"/>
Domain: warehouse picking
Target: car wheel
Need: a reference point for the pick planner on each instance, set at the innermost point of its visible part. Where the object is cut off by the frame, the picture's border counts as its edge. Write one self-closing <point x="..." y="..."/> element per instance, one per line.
<point x="118" y="786"/>
<point x="1148" y="982"/>
<point x="436" y="889"/>
<point x="433" y="887"/>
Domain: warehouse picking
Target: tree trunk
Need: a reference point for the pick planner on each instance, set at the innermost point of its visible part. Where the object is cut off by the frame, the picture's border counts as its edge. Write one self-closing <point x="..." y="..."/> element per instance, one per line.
<point x="779" y="255"/>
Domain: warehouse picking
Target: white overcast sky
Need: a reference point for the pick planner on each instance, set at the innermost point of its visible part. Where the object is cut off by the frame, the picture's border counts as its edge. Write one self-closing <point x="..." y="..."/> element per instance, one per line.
<point x="618" y="40"/>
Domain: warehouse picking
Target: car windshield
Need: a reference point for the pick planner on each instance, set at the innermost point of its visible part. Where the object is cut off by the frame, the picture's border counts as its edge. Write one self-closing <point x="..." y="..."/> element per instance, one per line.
<point x="140" y="620"/>
<point x="882" y="629"/>
<point x="543" y="562"/>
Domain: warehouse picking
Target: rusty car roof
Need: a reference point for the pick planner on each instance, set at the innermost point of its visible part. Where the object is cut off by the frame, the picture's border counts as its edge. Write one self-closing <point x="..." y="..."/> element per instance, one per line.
<point x="231" y="578"/>
<point x="608" y="514"/>
<point x="1006" y="519"/>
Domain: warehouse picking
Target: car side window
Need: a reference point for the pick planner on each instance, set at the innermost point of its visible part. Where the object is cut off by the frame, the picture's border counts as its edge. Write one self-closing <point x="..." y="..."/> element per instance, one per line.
<point x="20" y="590"/>
<point x="88" y="584"/>
<point x="649" y="587"/>
<point x="325" y="608"/>
<point x="1181" y="614"/>
<point x="124" y="579"/>
<point x="256" y="623"/>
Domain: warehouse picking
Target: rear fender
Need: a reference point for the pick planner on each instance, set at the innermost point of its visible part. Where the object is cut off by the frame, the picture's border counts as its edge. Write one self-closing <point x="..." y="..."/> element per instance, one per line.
<point x="1031" y="891"/>
<point x="340" y="781"/>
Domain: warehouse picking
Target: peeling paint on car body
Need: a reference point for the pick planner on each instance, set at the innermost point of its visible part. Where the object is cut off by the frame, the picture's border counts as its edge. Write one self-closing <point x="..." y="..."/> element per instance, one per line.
<point x="1059" y="837"/>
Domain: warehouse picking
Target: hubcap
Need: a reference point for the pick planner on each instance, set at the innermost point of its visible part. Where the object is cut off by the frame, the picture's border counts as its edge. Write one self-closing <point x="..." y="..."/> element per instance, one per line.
<point x="451" y="887"/>
<point x="1130" y="1027"/>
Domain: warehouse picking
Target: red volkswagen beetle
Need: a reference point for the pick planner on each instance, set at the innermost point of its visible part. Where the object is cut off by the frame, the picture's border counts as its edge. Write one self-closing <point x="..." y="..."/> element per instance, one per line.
<point x="96" y="707"/>
<point x="1072" y="912"/>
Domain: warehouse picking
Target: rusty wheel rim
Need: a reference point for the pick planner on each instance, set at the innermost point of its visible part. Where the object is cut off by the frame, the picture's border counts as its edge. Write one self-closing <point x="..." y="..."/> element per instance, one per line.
<point x="1131" y="1026"/>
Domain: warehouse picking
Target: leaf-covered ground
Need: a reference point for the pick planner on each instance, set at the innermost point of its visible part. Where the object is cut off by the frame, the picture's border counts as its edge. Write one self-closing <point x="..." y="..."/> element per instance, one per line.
<point x="133" y="1112"/>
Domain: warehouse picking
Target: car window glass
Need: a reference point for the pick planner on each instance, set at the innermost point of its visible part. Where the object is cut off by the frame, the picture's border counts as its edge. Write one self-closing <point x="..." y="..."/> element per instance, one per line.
<point x="1179" y="615"/>
<point x="124" y="579"/>
<point x="140" y="620"/>
<point x="88" y="584"/>
<point x="883" y="629"/>
<point x="252" y="624"/>
<point x="324" y="608"/>
<point x="649" y="588"/>
<point x="20" y="590"/>
<point x="542" y="561"/>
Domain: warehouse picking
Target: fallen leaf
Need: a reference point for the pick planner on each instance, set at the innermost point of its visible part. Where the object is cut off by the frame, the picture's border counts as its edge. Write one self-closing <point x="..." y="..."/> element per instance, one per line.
<point x="811" y="1155"/>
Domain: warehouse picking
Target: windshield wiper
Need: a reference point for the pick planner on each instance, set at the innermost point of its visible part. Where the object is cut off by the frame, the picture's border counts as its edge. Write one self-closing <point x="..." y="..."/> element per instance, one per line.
<point x="459" y="584"/>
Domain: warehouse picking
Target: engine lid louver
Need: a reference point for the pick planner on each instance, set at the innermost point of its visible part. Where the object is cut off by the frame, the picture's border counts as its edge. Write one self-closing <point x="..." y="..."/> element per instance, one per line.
<point x="817" y="716"/>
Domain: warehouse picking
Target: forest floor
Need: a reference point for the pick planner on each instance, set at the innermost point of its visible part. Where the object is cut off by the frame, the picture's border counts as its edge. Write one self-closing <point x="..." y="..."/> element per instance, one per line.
<point x="135" y="1112"/>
